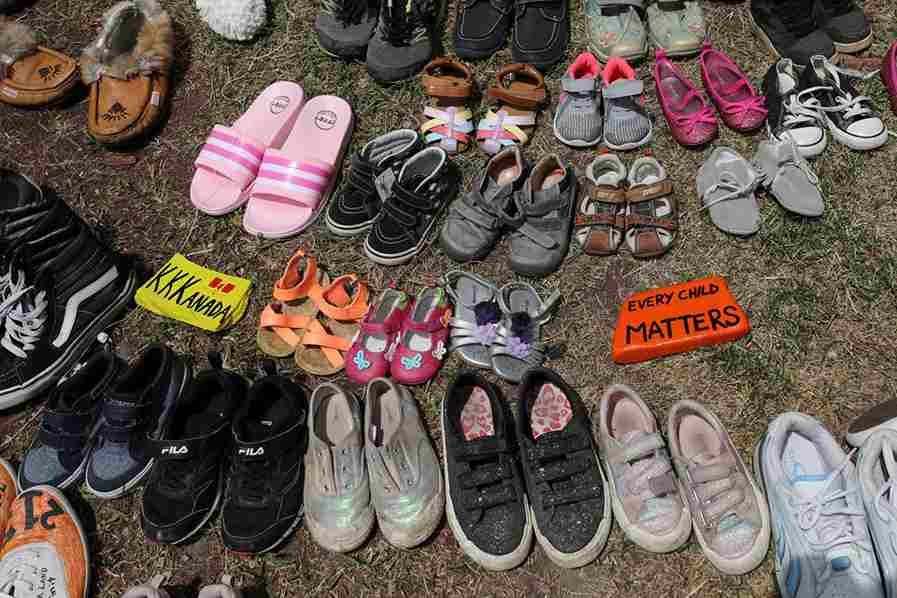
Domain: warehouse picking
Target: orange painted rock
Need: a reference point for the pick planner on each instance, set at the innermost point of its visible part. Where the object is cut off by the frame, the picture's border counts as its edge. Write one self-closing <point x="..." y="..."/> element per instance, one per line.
<point x="679" y="318"/>
<point x="43" y="521"/>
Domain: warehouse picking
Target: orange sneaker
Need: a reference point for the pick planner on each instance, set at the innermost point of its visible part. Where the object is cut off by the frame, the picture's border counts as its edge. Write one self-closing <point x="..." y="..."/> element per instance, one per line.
<point x="44" y="550"/>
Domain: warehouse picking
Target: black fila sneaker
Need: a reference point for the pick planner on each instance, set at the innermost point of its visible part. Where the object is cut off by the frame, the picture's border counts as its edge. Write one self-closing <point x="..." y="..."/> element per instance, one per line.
<point x="263" y="501"/>
<point x="59" y="286"/>
<point x="185" y="485"/>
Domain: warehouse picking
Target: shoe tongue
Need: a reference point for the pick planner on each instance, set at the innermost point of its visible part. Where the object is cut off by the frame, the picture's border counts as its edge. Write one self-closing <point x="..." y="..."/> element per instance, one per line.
<point x="16" y="191"/>
<point x="490" y="189"/>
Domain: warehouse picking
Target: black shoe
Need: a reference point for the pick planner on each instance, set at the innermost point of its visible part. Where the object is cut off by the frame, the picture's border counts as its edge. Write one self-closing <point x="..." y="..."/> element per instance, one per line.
<point x="790" y="29"/>
<point x="850" y="116"/>
<point x="787" y="115"/>
<point x="369" y="181"/>
<point x="60" y="288"/>
<point x="402" y="43"/>
<point x="486" y="504"/>
<point x="345" y="27"/>
<point x="137" y="408"/>
<point x="564" y="480"/>
<point x="263" y="501"/>
<point x="481" y="27"/>
<point x="541" y="31"/>
<point x="60" y="449"/>
<point x="186" y="483"/>
<point x="845" y="23"/>
<point x="426" y="184"/>
<point x="23" y="205"/>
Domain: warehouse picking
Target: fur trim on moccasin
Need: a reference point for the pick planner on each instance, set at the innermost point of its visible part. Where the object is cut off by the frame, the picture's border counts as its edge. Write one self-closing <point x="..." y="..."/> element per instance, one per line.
<point x="137" y="38"/>
<point x="239" y="20"/>
<point x="16" y="42"/>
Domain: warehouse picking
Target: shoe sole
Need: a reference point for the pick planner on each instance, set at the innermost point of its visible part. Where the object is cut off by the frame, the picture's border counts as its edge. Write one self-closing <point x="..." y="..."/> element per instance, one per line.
<point x="631" y="146"/>
<point x="346" y="231"/>
<point x="60" y="498"/>
<point x="430" y="518"/>
<point x="76" y="349"/>
<point x="676" y="53"/>
<point x="488" y="561"/>
<point x="590" y="551"/>
<point x="130" y="484"/>
<point x="572" y="143"/>
<point x="860" y="144"/>
<point x="651" y="543"/>
<point x="341" y="545"/>
<point x="854" y="47"/>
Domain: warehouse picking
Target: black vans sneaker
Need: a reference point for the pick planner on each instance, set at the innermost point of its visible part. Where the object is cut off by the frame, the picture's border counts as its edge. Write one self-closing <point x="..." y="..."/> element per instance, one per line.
<point x="790" y="29"/>
<point x="59" y="451"/>
<point x="426" y="184"/>
<point x="851" y="118"/>
<point x="138" y="407"/>
<point x="372" y="172"/>
<point x="481" y="27"/>
<point x="263" y="500"/>
<point x="23" y="205"/>
<point x="564" y="480"/>
<point x="60" y="288"/>
<point x="541" y="32"/>
<point x="486" y="504"/>
<point x="186" y="483"/>
<point x="403" y="39"/>
<point x="845" y="23"/>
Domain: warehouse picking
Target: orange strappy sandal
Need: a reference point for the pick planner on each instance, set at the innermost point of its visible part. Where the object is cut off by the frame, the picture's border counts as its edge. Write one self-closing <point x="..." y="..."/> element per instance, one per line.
<point x="322" y="349"/>
<point x="282" y="322"/>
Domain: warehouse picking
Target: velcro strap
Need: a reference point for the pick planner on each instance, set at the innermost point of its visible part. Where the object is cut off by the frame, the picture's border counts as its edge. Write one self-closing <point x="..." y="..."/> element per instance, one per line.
<point x="709" y="473"/>
<point x="60" y="440"/>
<point x="68" y="423"/>
<point x="605" y="219"/>
<point x="559" y="470"/>
<point x="639" y="220"/>
<point x="171" y="450"/>
<point x="663" y="484"/>
<point x="474" y="500"/>
<point x="624" y="89"/>
<point x="607" y="194"/>
<point x="635" y="3"/>
<point x="123" y="412"/>
<point x="579" y="85"/>
<point x="537" y="236"/>
<point x="446" y="87"/>
<point x="566" y="497"/>
<point x="258" y="451"/>
<point x="644" y="446"/>
<point x="465" y="212"/>
<point x="648" y="192"/>
<point x="475" y="449"/>
<point x="301" y="181"/>
<point x="550" y="450"/>
<point x="232" y="155"/>
<point x="486" y="475"/>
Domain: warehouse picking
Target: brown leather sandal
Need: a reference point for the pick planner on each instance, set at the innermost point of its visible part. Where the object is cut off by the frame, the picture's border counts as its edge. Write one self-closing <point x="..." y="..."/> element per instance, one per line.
<point x="601" y="217"/>
<point x="518" y="93"/>
<point x="32" y="75"/>
<point x="652" y="217"/>
<point x="447" y="119"/>
<point x="127" y="70"/>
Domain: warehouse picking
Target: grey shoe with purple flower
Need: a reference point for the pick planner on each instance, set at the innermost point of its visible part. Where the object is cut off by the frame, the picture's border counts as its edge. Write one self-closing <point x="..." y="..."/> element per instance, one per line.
<point x="518" y="342"/>
<point x="474" y="325"/>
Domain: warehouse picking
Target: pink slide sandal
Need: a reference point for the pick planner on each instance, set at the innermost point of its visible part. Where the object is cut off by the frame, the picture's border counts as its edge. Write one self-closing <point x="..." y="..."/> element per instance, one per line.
<point x="295" y="181"/>
<point x="230" y="159"/>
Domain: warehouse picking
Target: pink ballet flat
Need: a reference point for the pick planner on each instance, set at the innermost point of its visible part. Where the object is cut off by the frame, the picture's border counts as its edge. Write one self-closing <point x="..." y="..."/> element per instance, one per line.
<point x="692" y="121"/>
<point x="739" y="105"/>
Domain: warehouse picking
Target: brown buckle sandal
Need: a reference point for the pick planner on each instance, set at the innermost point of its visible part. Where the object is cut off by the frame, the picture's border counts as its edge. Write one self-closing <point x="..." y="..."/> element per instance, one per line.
<point x="601" y="218"/>
<point x="447" y="120"/>
<point x="32" y="75"/>
<point x="127" y="70"/>
<point x="651" y="214"/>
<point x="518" y="93"/>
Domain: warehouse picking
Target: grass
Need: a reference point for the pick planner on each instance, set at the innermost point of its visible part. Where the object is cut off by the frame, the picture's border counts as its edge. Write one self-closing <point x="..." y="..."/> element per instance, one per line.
<point x="820" y="294"/>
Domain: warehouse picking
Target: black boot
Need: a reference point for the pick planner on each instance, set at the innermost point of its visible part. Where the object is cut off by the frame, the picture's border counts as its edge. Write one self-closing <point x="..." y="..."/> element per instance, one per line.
<point x="845" y="23"/>
<point x="791" y="29"/>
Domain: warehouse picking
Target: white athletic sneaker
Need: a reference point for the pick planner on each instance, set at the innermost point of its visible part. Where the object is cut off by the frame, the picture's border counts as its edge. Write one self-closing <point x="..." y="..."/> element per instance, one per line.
<point x="877" y="472"/>
<point x="822" y="543"/>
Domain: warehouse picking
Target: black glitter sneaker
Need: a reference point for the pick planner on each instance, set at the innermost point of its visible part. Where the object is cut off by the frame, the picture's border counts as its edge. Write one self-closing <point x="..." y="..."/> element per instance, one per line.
<point x="486" y="504"/>
<point x="564" y="480"/>
<point x="263" y="500"/>
<point x="427" y="182"/>
<point x="186" y="483"/>
<point x="369" y="181"/>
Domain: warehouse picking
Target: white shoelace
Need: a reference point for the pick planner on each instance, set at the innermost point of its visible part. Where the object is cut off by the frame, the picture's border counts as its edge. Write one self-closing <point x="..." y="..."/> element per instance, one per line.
<point x="851" y="106"/>
<point x="800" y="112"/>
<point x="886" y="497"/>
<point x="23" y="324"/>
<point x="728" y="182"/>
<point x="831" y="520"/>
